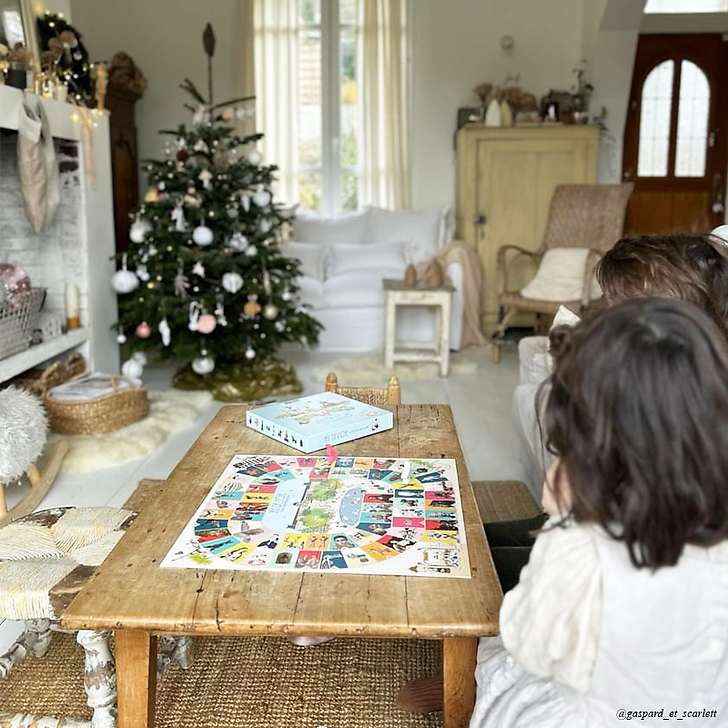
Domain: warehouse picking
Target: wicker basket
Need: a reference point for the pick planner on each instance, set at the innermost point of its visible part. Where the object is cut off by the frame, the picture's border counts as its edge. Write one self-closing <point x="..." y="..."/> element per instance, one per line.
<point x="102" y="414"/>
<point x="17" y="320"/>
<point x="39" y="381"/>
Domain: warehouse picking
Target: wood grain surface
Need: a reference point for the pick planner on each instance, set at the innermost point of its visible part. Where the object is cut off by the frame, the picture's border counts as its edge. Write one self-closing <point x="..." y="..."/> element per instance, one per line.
<point x="131" y="592"/>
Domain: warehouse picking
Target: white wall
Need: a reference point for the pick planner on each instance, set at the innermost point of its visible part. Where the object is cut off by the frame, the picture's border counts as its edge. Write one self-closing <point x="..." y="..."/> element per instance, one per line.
<point x="164" y="37"/>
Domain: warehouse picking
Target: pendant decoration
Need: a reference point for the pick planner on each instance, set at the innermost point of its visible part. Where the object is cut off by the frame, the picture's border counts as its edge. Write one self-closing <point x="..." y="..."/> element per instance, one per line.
<point x="165" y="332"/>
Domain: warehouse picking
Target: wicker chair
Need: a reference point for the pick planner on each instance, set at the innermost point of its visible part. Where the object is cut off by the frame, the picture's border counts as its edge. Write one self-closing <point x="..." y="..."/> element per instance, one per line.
<point x="580" y="216"/>
<point x="371" y="395"/>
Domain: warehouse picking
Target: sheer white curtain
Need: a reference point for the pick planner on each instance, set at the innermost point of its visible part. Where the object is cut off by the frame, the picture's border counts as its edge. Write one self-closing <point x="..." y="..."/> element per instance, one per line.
<point x="270" y="28"/>
<point x="384" y="104"/>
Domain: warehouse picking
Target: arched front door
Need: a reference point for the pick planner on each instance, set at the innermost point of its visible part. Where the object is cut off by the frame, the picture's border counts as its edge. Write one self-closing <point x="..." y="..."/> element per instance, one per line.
<point x="675" y="139"/>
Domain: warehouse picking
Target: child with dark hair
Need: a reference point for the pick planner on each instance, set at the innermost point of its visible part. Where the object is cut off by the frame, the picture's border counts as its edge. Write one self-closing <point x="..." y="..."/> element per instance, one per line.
<point x="622" y="606"/>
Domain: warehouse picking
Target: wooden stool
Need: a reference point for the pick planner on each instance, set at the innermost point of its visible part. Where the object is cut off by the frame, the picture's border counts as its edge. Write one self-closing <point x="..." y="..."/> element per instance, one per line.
<point x="45" y="560"/>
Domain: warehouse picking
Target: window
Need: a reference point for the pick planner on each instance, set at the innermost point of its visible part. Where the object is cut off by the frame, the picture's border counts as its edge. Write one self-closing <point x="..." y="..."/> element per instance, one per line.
<point x="654" y="144"/>
<point x="686" y="6"/>
<point x="328" y="118"/>
<point x="692" y="122"/>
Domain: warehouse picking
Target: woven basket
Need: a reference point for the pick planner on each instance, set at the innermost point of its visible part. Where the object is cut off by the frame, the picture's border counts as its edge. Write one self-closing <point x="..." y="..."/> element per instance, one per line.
<point x="103" y="414"/>
<point x="40" y="381"/>
<point x="17" y="320"/>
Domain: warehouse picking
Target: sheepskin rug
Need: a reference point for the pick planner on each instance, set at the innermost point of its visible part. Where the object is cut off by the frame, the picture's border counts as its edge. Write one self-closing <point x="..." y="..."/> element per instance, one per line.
<point x="23" y="429"/>
<point x="368" y="370"/>
<point x="169" y="411"/>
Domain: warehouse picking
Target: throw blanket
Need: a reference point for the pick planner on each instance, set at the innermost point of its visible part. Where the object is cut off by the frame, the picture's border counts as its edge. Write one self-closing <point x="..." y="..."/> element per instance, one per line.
<point x="459" y="252"/>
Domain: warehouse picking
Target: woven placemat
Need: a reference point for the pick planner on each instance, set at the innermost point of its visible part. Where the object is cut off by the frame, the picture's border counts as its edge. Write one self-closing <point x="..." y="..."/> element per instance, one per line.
<point x="249" y="682"/>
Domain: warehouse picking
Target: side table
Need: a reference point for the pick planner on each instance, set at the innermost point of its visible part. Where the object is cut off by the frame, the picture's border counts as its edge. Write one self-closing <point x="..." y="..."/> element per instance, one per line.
<point x="399" y="294"/>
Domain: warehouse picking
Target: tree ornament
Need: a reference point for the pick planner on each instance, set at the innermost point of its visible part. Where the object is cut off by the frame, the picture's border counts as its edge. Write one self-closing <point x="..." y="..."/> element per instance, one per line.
<point x="206" y="178"/>
<point x="220" y="311"/>
<point x="232" y="211"/>
<point x="132" y="368"/>
<point x="182" y="155"/>
<point x="250" y="353"/>
<point x="266" y="283"/>
<point x="198" y="269"/>
<point x="251" y="251"/>
<point x="124" y="281"/>
<point x="207" y="323"/>
<point x="194" y="316"/>
<point x="121" y="337"/>
<point x="251" y="308"/>
<point x="202" y="235"/>
<point x="165" y="332"/>
<point x="203" y="364"/>
<point x="151" y="195"/>
<point x="178" y="215"/>
<point x="270" y="311"/>
<point x="238" y="242"/>
<point x="262" y="198"/>
<point x="228" y="115"/>
<point x="286" y="295"/>
<point x="144" y="330"/>
<point x="245" y="202"/>
<point x="142" y="273"/>
<point x="201" y="146"/>
<point x="139" y="230"/>
<point x="255" y="157"/>
<point x="232" y="282"/>
<point x="265" y="225"/>
<point x="181" y="283"/>
<point x="161" y="186"/>
<point x="280" y="326"/>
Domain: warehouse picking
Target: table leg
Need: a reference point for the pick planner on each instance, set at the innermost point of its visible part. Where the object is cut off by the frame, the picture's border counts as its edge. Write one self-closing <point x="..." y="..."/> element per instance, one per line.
<point x="390" y="333"/>
<point x="458" y="664"/>
<point x="136" y="677"/>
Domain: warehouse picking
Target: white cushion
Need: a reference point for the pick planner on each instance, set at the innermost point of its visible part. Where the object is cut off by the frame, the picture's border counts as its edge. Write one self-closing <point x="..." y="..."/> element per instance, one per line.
<point x="424" y="230"/>
<point x="560" y="276"/>
<point x="347" y="228"/>
<point x="346" y="258"/>
<point x="311" y="291"/>
<point x="362" y="288"/>
<point x="311" y="255"/>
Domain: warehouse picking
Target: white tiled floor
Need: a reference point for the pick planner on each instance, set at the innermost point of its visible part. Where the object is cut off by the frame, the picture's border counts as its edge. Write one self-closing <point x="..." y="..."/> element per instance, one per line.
<point x="481" y="404"/>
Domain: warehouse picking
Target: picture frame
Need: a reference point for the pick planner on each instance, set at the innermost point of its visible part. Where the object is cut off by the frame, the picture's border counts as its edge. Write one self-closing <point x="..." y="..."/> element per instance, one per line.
<point x="18" y="26"/>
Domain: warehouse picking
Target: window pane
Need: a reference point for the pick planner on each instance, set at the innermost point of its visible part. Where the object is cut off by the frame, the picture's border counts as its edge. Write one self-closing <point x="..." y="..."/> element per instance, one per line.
<point x="692" y="122"/>
<point x="309" y="190"/>
<point x="348" y="11"/>
<point x="309" y="97"/>
<point x="686" y="6"/>
<point x="654" y="140"/>
<point x="349" y="190"/>
<point x="309" y="11"/>
<point x="349" y="120"/>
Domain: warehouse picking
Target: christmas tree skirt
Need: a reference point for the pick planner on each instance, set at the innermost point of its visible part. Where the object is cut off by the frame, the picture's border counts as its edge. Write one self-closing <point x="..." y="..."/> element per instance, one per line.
<point x="169" y="412"/>
<point x="245" y="381"/>
<point x="369" y="370"/>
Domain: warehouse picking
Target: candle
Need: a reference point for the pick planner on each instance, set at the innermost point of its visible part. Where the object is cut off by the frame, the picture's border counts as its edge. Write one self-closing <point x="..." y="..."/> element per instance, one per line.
<point x="73" y="320"/>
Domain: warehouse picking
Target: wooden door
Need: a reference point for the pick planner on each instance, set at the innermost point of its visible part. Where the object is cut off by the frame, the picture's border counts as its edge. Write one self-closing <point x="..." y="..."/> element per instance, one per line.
<point x="675" y="139"/>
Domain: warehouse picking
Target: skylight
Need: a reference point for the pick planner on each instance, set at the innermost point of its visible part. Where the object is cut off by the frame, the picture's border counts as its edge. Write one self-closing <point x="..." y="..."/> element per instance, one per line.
<point x="686" y="6"/>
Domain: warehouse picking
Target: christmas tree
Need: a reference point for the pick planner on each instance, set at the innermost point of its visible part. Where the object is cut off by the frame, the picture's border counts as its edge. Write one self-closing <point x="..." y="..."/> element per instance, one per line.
<point x="204" y="280"/>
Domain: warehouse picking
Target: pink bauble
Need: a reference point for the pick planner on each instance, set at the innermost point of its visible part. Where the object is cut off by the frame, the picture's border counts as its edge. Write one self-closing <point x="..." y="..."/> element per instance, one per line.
<point x="206" y="324"/>
<point x="144" y="330"/>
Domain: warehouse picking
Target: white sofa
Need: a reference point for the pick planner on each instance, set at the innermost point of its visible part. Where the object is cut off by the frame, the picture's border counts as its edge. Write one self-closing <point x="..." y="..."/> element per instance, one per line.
<point x="344" y="260"/>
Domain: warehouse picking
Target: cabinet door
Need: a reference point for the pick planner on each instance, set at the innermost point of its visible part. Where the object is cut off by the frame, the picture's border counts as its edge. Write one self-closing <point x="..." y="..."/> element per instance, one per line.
<point x="515" y="182"/>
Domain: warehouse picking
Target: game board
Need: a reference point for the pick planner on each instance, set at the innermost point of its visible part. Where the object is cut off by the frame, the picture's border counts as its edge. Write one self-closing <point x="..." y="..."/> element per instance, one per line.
<point x="360" y="515"/>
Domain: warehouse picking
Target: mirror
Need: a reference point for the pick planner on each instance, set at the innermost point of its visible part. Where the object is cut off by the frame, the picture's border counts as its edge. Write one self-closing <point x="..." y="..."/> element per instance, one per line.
<point x="18" y="28"/>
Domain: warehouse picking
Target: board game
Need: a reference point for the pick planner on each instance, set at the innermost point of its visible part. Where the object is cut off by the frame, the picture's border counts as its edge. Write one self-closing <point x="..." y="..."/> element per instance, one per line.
<point x="309" y="423"/>
<point x="354" y="515"/>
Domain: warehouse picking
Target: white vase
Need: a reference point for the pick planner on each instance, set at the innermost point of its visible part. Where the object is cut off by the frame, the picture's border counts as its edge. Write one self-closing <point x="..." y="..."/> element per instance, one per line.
<point x="506" y="115"/>
<point x="493" y="114"/>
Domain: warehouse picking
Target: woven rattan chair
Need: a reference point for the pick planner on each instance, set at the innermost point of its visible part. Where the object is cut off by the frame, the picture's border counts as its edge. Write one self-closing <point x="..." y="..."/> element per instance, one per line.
<point x="371" y="395"/>
<point x="580" y="216"/>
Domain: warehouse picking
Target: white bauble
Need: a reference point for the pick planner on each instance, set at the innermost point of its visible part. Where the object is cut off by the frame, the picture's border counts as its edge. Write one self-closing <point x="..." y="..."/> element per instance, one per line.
<point x="232" y="282"/>
<point x="142" y="273"/>
<point x="255" y="157"/>
<point x="270" y="311"/>
<point x="121" y="337"/>
<point x="238" y="242"/>
<point x="251" y="251"/>
<point x="124" y="281"/>
<point x="139" y="230"/>
<point x="250" y="353"/>
<point x="265" y="225"/>
<point x="232" y="212"/>
<point x="203" y="365"/>
<point x="262" y="198"/>
<point x="202" y="235"/>
<point x="280" y="325"/>
<point x="286" y="295"/>
<point x="132" y="368"/>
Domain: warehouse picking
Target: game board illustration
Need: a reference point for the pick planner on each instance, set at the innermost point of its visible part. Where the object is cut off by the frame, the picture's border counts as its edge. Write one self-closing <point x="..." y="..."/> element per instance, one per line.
<point x="345" y="514"/>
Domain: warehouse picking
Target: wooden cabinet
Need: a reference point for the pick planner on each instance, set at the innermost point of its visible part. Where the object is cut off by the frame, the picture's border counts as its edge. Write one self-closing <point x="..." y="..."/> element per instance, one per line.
<point x="505" y="179"/>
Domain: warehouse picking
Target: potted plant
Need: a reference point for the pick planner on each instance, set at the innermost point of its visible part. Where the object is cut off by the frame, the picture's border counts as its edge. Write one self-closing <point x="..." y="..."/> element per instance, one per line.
<point x="581" y="93"/>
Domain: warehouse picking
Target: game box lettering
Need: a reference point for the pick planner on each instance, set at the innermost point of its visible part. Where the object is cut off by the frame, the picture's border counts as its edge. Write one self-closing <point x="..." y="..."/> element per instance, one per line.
<point x="310" y="423"/>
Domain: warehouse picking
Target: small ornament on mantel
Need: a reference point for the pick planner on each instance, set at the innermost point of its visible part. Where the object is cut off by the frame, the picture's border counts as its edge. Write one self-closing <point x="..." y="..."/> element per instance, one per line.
<point x="73" y="318"/>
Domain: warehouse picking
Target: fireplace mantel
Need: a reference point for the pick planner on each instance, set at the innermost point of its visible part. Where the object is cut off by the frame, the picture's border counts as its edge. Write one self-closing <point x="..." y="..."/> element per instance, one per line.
<point x="86" y="242"/>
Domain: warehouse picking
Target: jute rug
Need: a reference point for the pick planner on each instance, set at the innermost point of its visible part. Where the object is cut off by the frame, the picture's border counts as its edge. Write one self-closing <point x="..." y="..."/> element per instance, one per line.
<point x="170" y="411"/>
<point x="249" y="682"/>
<point x="368" y="370"/>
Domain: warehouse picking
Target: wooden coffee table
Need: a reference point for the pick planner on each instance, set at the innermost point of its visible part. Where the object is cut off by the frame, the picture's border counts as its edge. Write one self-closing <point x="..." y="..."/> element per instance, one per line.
<point x="133" y="596"/>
